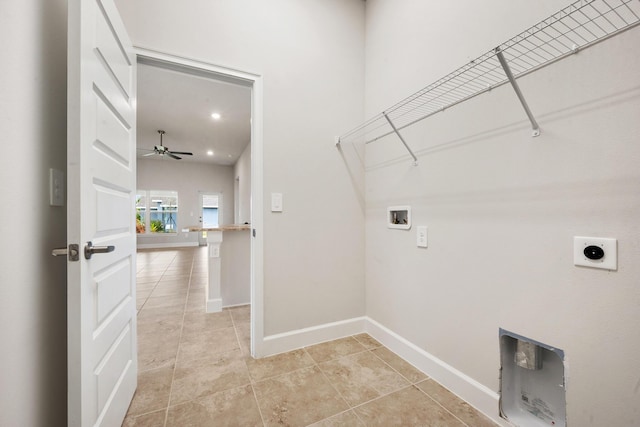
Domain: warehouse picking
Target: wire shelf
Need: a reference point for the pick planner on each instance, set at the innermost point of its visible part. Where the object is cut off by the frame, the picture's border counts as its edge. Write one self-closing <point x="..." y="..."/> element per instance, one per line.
<point x="575" y="27"/>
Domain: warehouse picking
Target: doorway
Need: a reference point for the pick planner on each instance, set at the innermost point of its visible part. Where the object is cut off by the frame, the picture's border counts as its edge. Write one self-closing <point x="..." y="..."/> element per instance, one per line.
<point x="254" y="199"/>
<point x="210" y="210"/>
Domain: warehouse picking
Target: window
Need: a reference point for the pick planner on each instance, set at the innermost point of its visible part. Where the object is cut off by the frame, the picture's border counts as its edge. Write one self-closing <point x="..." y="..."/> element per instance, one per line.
<point x="162" y="209"/>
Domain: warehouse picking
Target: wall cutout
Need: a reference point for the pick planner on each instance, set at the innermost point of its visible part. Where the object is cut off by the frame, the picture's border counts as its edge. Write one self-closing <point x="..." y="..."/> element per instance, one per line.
<point x="399" y="217"/>
<point x="532" y="382"/>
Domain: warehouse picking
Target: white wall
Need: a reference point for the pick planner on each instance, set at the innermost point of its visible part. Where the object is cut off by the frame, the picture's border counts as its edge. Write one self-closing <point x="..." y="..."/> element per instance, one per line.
<point x="242" y="176"/>
<point x="310" y="54"/>
<point x="502" y="208"/>
<point x="33" y="367"/>
<point x="188" y="179"/>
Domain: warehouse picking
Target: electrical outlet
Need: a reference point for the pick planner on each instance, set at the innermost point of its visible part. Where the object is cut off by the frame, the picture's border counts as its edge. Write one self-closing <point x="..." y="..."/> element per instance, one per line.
<point x="595" y="252"/>
<point x="214" y="251"/>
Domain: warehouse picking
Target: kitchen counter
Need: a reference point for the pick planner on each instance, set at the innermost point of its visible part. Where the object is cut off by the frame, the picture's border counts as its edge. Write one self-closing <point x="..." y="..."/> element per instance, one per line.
<point x="234" y="227"/>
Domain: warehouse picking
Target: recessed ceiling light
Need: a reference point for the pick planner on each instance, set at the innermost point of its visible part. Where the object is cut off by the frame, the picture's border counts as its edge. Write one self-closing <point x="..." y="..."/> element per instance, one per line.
<point x="210" y="153"/>
<point x="215" y="116"/>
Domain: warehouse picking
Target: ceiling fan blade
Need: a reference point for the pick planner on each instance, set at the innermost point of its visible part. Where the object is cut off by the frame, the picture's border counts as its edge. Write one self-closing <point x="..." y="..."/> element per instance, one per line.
<point x="172" y="156"/>
<point x="181" y="152"/>
<point x="149" y="154"/>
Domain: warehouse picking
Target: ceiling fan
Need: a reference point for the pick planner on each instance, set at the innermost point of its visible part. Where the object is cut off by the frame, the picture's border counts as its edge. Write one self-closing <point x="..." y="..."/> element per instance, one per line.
<point x="162" y="150"/>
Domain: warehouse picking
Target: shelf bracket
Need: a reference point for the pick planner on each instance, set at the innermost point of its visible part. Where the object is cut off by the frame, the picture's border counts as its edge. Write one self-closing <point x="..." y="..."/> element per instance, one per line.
<point x="415" y="159"/>
<point x="536" y="129"/>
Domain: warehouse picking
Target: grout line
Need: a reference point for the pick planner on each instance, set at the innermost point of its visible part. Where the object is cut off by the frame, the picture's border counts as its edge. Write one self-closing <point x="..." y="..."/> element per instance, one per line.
<point x="337" y="391"/>
<point x="441" y="405"/>
<point x="175" y="363"/>
<point x="157" y="282"/>
<point x="398" y="372"/>
<point x="255" y="396"/>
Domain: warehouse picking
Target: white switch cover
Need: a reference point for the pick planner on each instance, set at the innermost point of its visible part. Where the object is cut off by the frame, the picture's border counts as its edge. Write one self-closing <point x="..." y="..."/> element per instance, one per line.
<point x="422" y="237"/>
<point x="610" y="247"/>
<point x="56" y="187"/>
<point x="276" y="202"/>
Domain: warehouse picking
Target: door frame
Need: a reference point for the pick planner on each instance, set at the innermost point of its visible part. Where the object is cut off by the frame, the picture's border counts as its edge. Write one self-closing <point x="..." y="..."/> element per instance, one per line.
<point x="255" y="82"/>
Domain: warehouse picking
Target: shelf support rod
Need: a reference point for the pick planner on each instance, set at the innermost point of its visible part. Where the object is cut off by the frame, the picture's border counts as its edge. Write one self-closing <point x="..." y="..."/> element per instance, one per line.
<point x="415" y="159"/>
<point x="507" y="70"/>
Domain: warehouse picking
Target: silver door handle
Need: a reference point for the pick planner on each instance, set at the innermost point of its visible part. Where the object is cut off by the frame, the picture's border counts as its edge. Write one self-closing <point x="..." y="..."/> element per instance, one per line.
<point x="89" y="250"/>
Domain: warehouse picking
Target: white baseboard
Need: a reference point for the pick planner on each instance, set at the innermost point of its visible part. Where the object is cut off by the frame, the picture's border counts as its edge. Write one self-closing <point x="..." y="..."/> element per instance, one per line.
<point x="214" y="305"/>
<point x="477" y="395"/>
<point x="166" y="245"/>
<point x="280" y="343"/>
<point x="237" y="305"/>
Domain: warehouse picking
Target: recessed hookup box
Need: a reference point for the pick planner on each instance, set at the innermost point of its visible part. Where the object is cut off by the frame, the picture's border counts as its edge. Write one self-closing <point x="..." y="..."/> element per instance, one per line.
<point x="532" y="382"/>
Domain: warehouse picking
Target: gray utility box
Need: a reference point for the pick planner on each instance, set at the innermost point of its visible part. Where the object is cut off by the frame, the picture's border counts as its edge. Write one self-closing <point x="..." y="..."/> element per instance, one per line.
<point x="532" y="382"/>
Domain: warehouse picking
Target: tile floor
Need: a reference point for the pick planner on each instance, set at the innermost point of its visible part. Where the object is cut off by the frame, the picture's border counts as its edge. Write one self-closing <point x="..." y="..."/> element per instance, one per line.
<point x="195" y="368"/>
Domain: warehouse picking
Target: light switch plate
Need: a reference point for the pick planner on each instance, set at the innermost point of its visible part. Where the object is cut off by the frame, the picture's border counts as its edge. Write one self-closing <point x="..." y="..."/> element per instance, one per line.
<point x="422" y="237"/>
<point x="276" y="202"/>
<point x="610" y="247"/>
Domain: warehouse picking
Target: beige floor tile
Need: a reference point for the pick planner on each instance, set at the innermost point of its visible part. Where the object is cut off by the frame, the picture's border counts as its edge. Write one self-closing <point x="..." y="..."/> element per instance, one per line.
<point x="158" y="340"/>
<point x="197" y="286"/>
<point x="165" y="324"/>
<point x="367" y="341"/>
<point x="198" y="293"/>
<point x="145" y="286"/>
<point x="454" y="404"/>
<point x="199" y="378"/>
<point x="408" y="407"/>
<point x="396" y="362"/>
<point x="153" y="391"/>
<point x="362" y="377"/>
<point x="171" y="277"/>
<point x="166" y="291"/>
<point x="298" y="398"/>
<point x="198" y="296"/>
<point x="197" y="322"/>
<point x="345" y="419"/>
<point x="334" y="349"/>
<point x="151" y="271"/>
<point x="207" y="344"/>
<point x="243" y="330"/>
<point x="267" y="367"/>
<point x="169" y="282"/>
<point x="230" y="408"/>
<point x="154" y="419"/>
<point x="154" y="313"/>
<point x="168" y="301"/>
<point x="241" y="313"/>
<point x="161" y="357"/>
<point x="243" y="327"/>
<point x="196" y="303"/>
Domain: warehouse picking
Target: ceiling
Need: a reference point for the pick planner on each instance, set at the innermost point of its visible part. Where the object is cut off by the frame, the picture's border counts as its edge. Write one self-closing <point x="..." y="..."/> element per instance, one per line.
<point x="181" y="104"/>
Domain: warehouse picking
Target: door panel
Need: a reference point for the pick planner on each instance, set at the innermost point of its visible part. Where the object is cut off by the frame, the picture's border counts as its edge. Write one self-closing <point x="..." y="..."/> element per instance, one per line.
<point x="101" y="309"/>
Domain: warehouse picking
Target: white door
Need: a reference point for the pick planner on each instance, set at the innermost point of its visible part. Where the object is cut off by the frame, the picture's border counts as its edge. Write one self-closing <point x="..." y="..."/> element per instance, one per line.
<point x="101" y="311"/>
